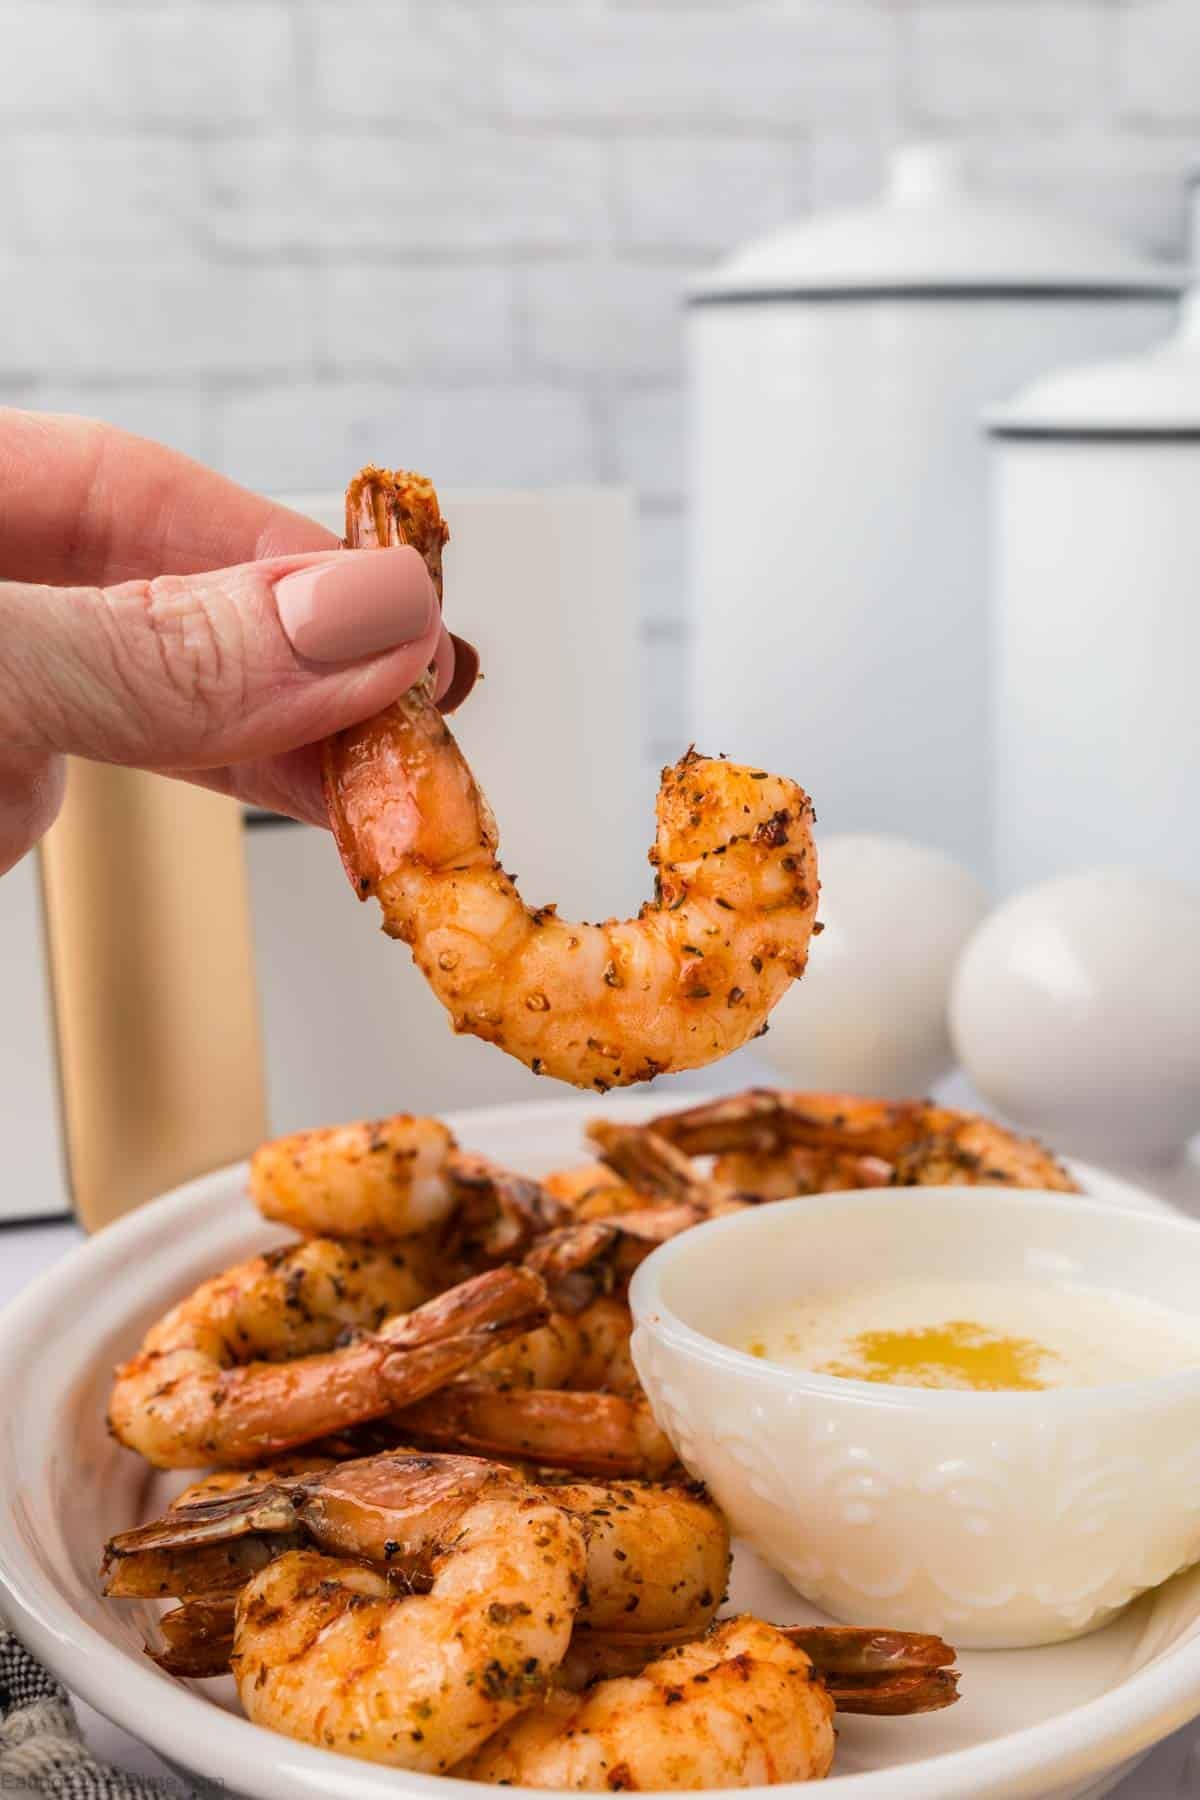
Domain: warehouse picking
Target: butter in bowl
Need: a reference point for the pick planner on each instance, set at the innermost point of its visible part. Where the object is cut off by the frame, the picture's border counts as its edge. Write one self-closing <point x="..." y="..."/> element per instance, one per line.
<point x="969" y="1411"/>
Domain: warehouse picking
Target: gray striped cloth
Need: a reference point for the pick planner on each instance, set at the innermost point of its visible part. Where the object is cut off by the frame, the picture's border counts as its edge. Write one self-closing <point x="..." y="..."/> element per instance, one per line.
<point x="41" y="1750"/>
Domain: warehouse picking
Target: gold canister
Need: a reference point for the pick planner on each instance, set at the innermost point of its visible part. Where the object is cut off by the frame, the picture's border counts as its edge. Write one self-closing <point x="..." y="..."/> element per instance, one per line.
<point x="152" y="978"/>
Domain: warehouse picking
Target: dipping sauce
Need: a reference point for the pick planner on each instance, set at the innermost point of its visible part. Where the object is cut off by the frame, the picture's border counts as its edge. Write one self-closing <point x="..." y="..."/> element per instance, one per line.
<point x="992" y="1336"/>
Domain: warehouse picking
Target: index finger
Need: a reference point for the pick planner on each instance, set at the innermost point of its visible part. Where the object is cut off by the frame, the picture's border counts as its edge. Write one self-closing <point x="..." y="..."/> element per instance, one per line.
<point x="84" y="504"/>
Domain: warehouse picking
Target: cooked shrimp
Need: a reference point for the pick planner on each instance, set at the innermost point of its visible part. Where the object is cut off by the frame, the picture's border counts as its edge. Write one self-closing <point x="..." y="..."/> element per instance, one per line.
<point x="580" y="1262"/>
<point x="335" y="1653"/>
<point x="400" y="1180"/>
<point x="593" y="1191"/>
<point x="656" y="1558"/>
<point x="210" y="1383"/>
<point x="565" y="1396"/>
<point x="739" y="1708"/>
<point x="378" y="1179"/>
<point x="863" y="1670"/>
<point x="689" y="980"/>
<point x="656" y="1168"/>
<point x="586" y="1350"/>
<point x="499" y="1215"/>
<point x="923" y="1144"/>
<point x="595" y="1434"/>
<point x="782" y="1174"/>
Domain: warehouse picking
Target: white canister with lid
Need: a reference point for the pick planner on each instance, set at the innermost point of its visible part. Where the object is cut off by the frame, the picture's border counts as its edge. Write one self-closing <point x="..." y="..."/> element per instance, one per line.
<point x="838" y="371"/>
<point x="1097" y="663"/>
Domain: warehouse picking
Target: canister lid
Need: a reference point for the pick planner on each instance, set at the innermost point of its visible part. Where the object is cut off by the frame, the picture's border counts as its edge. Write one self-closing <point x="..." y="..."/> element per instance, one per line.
<point x="931" y="233"/>
<point x="1155" y="394"/>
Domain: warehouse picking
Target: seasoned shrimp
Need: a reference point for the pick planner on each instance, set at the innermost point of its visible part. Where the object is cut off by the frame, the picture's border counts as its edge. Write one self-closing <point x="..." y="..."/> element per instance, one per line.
<point x="921" y="1144"/>
<point x="863" y="1670"/>
<point x="654" y="1167"/>
<point x="593" y="1433"/>
<point x="686" y="982"/>
<point x="739" y="1708"/>
<point x="586" y="1350"/>
<point x="593" y="1191"/>
<point x="336" y="1653"/>
<point x="401" y="1180"/>
<point x="781" y="1174"/>
<point x="499" y="1215"/>
<point x="211" y="1383"/>
<point x="656" y="1558"/>
<point x="377" y="1179"/>
<point x="566" y="1396"/>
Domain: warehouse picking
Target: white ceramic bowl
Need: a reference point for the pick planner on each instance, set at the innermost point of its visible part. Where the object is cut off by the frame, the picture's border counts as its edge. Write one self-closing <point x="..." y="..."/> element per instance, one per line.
<point x="999" y="1519"/>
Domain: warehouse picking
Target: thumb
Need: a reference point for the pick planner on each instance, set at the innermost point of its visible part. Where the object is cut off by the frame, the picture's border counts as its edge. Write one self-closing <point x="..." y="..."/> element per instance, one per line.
<point x="189" y="672"/>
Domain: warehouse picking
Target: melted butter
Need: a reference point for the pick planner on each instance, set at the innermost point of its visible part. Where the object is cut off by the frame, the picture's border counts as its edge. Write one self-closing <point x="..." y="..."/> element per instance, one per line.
<point x="986" y="1335"/>
<point x="958" y="1354"/>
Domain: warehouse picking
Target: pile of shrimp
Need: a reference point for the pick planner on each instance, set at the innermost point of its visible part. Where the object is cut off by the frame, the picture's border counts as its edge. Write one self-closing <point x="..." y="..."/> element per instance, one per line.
<point x="445" y="1530"/>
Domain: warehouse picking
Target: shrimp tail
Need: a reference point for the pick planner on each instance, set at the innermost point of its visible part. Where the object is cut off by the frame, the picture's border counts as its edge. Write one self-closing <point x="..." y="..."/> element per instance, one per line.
<point x="500" y="1214"/>
<point x="427" y="1348"/>
<point x="597" y="1256"/>
<point x="885" y="1673"/>
<point x="198" y="1639"/>
<point x="651" y="1164"/>
<point x="863" y="1651"/>
<point x="383" y="507"/>
<point x="894" y="1696"/>
<point x="244" y="1513"/>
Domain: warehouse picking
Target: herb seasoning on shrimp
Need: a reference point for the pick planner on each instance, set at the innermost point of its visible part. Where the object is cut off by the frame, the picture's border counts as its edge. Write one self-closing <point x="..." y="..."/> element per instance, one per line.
<point x="691" y="979"/>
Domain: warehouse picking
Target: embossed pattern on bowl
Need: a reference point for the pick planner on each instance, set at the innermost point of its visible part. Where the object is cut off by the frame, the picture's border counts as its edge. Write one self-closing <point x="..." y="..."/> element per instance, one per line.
<point x="998" y="1519"/>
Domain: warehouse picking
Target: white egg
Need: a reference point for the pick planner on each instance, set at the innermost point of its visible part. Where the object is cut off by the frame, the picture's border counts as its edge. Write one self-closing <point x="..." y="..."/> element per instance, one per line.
<point x="1076" y="1012"/>
<point x="870" y="1013"/>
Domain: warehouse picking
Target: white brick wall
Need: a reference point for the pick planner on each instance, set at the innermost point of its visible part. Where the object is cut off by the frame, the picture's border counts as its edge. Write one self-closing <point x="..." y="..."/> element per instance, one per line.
<point x="1037" y="61"/>
<point x="288" y="235"/>
<point x="697" y="196"/>
<point x="305" y="435"/>
<point x="774" y="65"/>
<point x="197" y="65"/>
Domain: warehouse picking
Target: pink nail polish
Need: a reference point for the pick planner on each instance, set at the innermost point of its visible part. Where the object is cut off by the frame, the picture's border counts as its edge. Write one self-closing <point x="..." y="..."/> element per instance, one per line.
<point x="357" y="603"/>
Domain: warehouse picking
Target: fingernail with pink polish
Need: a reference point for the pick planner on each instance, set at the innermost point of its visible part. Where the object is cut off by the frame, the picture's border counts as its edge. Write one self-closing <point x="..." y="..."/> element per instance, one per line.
<point x="358" y="603"/>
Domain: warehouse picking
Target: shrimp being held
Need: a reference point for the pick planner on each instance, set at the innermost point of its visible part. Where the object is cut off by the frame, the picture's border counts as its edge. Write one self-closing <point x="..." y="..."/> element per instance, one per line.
<point x="249" y="1365"/>
<point x="689" y="980"/>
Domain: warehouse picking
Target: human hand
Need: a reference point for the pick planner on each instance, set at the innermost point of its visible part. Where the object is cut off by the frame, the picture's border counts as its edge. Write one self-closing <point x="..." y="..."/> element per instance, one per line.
<point x="155" y="615"/>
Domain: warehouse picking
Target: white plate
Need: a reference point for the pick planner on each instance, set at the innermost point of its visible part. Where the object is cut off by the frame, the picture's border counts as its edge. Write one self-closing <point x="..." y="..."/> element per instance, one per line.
<point x="1064" y="1722"/>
